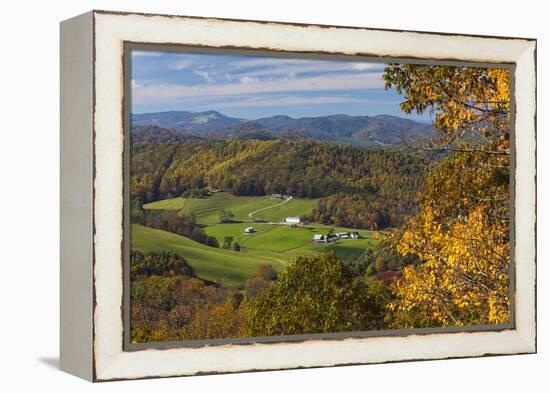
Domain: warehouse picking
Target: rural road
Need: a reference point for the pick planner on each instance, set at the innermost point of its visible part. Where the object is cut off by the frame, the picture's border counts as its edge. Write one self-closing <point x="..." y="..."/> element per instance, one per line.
<point x="251" y="214"/>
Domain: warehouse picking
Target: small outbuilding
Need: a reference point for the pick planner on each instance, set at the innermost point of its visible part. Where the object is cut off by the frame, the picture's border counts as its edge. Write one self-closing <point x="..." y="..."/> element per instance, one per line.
<point x="250" y="230"/>
<point x="319" y="238"/>
<point x="292" y="220"/>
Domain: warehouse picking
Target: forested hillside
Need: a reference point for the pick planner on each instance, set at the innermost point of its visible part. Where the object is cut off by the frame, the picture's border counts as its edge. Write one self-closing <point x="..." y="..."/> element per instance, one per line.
<point x="380" y="130"/>
<point x="358" y="187"/>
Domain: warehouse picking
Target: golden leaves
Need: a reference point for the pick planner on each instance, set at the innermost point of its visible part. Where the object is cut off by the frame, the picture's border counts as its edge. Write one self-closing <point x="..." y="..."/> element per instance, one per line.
<point x="465" y="100"/>
<point x="461" y="233"/>
<point x="464" y="278"/>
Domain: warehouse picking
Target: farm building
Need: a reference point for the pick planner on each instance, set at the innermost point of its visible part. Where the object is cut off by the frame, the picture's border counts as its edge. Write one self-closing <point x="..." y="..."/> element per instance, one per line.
<point x="292" y="220"/>
<point x="319" y="238"/>
<point x="250" y="230"/>
<point x="278" y="196"/>
<point x="324" y="238"/>
<point x="355" y="235"/>
<point x="343" y="235"/>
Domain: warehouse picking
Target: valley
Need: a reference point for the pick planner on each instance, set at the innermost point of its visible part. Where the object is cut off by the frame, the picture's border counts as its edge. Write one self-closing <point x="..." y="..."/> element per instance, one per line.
<point x="272" y="242"/>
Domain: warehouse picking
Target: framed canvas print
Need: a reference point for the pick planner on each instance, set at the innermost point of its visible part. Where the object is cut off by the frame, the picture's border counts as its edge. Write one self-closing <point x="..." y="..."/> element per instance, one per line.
<point x="246" y="195"/>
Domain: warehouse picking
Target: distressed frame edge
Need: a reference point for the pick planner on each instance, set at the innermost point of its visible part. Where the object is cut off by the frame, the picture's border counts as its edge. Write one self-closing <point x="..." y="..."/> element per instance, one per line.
<point x="526" y="285"/>
<point x="76" y="197"/>
<point x="304" y="24"/>
<point x="528" y="340"/>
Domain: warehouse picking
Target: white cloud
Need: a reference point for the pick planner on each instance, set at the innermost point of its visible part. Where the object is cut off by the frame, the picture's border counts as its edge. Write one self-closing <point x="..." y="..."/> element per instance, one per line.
<point x="157" y="93"/>
<point x="180" y="65"/>
<point x="299" y="66"/>
<point x="204" y="74"/>
<point x="264" y="62"/>
<point x="366" y="66"/>
<point x="248" y="79"/>
<point x="146" y="53"/>
<point x="290" y="100"/>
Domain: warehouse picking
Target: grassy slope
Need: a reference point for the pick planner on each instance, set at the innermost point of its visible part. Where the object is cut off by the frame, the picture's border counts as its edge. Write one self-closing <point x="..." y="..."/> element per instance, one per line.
<point x="229" y="267"/>
<point x="271" y="244"/>
<point x="166" y="204"/>
<point x="294" y="207"/>
<point x="274" y="244"/>
<point x="278" y="238"/>
<point x="207" y="209"/>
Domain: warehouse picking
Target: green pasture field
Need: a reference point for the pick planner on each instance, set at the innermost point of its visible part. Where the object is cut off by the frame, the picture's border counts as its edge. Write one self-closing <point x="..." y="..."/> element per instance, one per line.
<point x="230" y="268"/>
<point x="293" y="208"/>
<point x="207" y="210"/>
<point x="271" y="243"/>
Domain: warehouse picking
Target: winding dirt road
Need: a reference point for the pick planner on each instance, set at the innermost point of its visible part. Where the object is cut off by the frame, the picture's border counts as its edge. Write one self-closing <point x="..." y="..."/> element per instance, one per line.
<point x="251" y="214"/>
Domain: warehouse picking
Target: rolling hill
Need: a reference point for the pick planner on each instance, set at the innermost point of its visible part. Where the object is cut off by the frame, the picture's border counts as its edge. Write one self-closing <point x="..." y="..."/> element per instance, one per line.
<point x="271" y="244"/>
<point x="206" y="210"/>
<point x="380" y="130"/>
<point x="185" y="121"/>
<point x="152" y="133"/>
<point x="244" y="208"/>
<point x="361" y="188"/>
<point x="231" y="268"/>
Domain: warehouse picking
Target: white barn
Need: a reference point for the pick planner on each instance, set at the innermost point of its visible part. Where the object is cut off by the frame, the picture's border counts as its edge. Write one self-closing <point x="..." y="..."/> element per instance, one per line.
<point x="319" y="238"/>
<point x="292" y="220"/>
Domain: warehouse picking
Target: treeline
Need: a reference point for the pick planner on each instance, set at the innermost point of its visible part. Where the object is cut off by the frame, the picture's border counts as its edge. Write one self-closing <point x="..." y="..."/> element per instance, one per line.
<point x="159" y="134"/>
<point x="172" y="221"/>
<point x="315" y="294"/>
<point x="383" y="181"/>
<point x="158" y="264"/>
<point x="168" y="302"/>
<point x="382" y="261"/>
<point x="371" y="211"/>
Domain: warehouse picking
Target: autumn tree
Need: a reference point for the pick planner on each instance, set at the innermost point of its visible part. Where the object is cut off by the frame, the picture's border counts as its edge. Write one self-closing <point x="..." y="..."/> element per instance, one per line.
<point x="461" y="233"/>
<point x="175" y="222"/>
<point x="464" y="101"/>
<point x="226" y="215"/>
<point x="227" y="240"/>
<point x="318" y="294"/>
<point x="159" y="264"/>
<point x="267" y="272"/>
<point x="216" y="321"/>
<point x="264" y="277"/>
<point x="177" y="307"/>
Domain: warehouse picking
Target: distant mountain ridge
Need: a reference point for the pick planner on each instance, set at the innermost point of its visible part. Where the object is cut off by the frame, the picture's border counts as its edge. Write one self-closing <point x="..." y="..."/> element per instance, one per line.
<point x="380" y="130"/>
<point x="185" y="121"/>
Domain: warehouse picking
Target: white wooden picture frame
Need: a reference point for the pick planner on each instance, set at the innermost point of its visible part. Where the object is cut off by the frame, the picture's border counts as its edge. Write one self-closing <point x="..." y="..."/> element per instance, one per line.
<point x="92" y="195"/>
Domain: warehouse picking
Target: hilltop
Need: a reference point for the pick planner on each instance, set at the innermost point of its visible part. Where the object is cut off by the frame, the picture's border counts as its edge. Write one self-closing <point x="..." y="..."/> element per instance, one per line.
<point x="380" y="130"/>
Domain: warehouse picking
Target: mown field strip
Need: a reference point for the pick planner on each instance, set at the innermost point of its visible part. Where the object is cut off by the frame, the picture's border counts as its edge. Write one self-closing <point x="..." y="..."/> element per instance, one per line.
<point x="230" y="268"/>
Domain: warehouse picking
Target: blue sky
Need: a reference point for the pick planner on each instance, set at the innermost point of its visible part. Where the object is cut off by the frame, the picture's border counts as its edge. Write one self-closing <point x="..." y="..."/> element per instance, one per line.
<point x="252" y="87"/>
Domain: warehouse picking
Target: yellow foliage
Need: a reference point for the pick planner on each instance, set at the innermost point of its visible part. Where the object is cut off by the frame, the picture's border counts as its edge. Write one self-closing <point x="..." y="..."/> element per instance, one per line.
<point x="461" y="234"/>
<point x="464" y="279"/>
